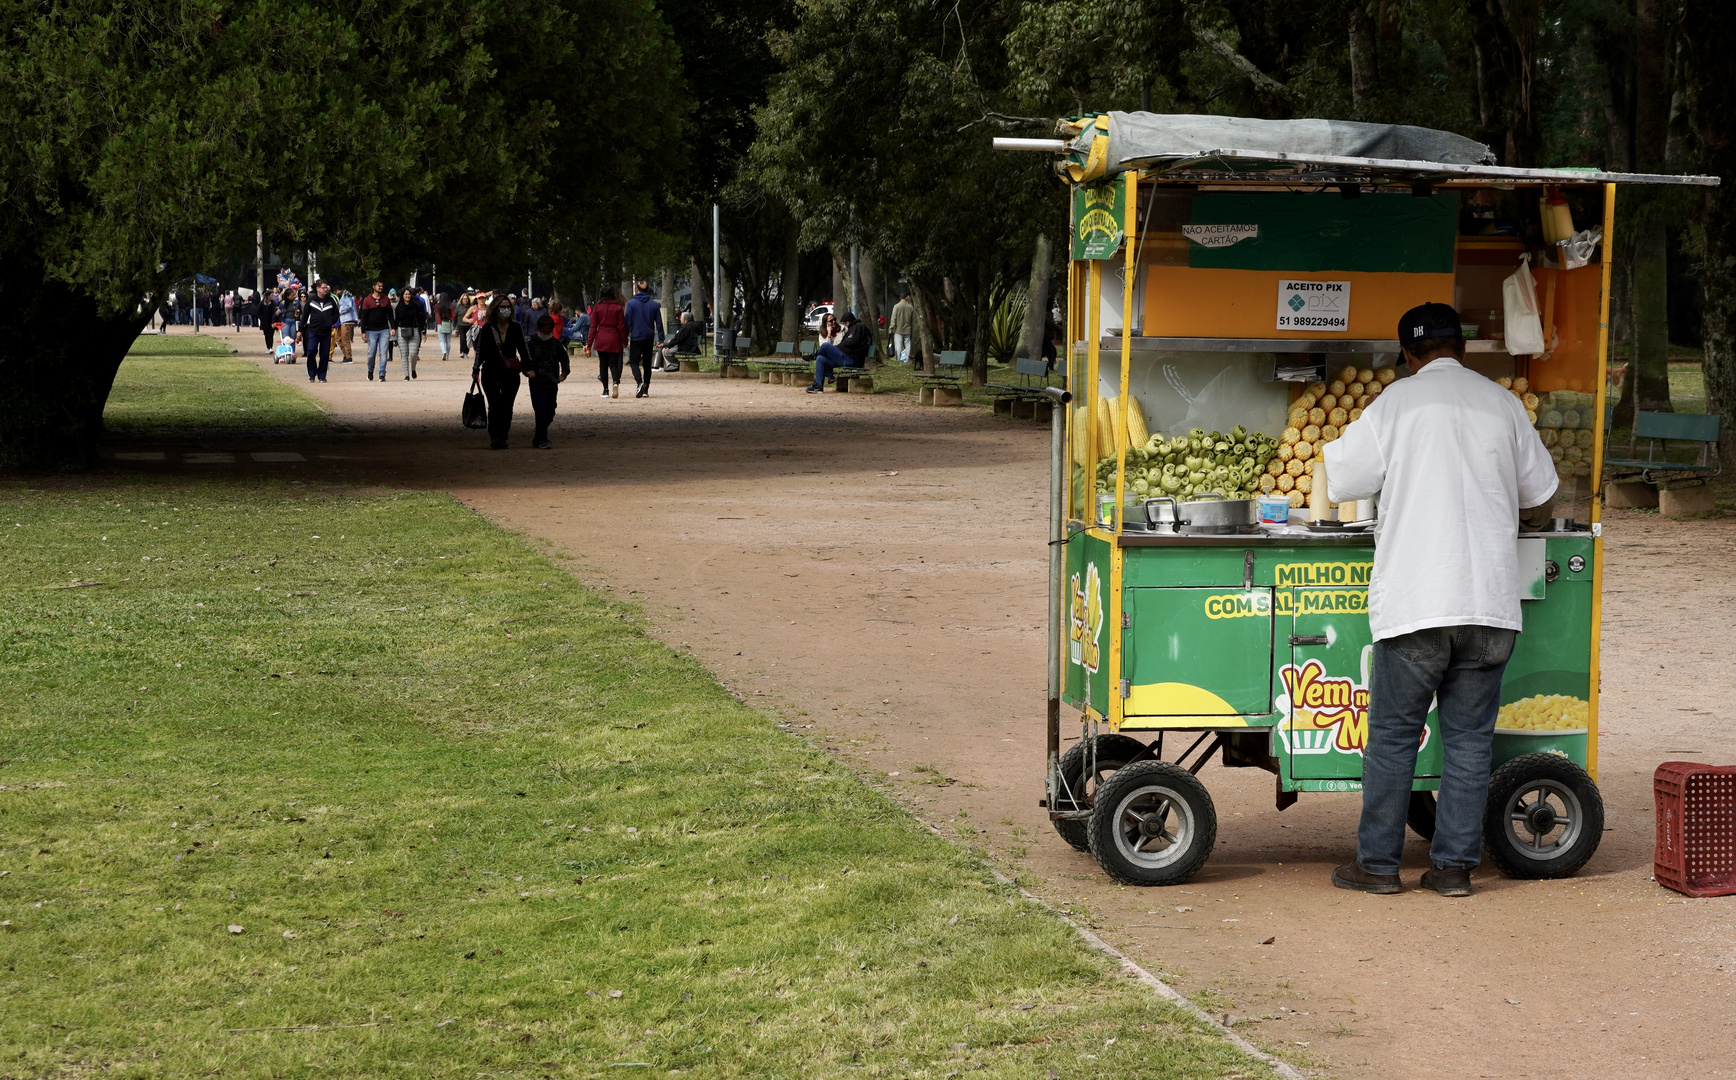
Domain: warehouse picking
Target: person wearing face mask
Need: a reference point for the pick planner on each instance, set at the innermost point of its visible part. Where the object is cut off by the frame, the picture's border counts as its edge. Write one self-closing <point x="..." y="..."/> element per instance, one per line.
<point x="549" y="367"/>
<point x="500" y="355"/>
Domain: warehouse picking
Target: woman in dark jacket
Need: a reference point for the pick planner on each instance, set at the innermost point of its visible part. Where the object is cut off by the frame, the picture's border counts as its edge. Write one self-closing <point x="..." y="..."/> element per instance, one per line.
<point x="608" y="340"/>
<point x="412" y="322"/>
<point x="500" y="356"/>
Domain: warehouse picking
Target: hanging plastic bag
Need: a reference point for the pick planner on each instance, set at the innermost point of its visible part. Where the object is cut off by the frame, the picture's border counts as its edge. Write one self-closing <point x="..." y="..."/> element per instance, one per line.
<point x="1524" y="322"/>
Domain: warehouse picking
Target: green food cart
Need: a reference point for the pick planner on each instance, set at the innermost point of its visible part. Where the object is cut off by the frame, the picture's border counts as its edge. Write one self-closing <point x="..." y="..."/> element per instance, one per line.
<point x="1232" y="299"/>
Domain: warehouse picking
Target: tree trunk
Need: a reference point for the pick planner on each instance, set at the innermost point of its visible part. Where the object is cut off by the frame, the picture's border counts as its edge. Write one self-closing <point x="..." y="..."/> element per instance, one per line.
<point x="790" y="287"/>
<point x="1709" y="40"/>
<point x="1364" y="70"/>
<point x="979" y="331"/>
<point x="1037" y="313"/>
<point x="840" y="277"/>
<point x="666" y="297"/>
<point x="56" y="382"/>
<point x="726" y="288"/>
<point x="926" y="340"/>
<point x="869" y="301"/>
<point x="701" y="291"/>
<point x="1651" y="364"/>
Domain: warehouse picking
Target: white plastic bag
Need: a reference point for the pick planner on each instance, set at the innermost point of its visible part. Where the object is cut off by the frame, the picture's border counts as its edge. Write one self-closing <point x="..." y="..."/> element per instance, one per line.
<point x="1524" y="323"/>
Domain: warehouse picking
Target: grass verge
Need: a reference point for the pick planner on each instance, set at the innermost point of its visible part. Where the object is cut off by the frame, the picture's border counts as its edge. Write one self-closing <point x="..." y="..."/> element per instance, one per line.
<point x="186" y="385"/>
<point x="329" y="785"/>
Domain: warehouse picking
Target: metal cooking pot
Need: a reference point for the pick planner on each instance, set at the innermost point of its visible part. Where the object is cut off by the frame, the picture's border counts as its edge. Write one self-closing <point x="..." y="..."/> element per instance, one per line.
<point x="1209" y="511"/>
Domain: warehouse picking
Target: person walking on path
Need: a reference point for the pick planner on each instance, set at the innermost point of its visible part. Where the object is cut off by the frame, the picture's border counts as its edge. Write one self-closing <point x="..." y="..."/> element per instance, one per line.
<point x="411" y="319"/>
<point x="346" y="324"/>
<point x="319" y="318"/>
<point x="445" y="319"/>
<point x="903" y="326"/>
<point x="500" y="356"/>
<point x="850" y="351"/>
<point x="644" y="317"/>
<point x="1458" y="469"/>
<point x="269" y="317"/>
<point x="549" y="367"/>
<point x="608" y="337"/>
<point x="375" y="316"/>
<point x="289" y="310"/>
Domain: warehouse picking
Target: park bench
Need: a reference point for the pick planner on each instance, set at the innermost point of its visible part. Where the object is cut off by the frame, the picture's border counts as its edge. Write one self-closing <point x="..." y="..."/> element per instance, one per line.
<point x="732" y="358"/>
<point x="1660" y="429"/>
<point x="787" y="372"/>
<point x="1023" y="397"/>
<point x="943" y="386"/>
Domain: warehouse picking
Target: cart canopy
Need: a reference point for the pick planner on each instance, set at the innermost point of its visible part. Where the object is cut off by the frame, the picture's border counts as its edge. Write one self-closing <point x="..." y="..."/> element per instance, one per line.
<point x="1196" y="148"/>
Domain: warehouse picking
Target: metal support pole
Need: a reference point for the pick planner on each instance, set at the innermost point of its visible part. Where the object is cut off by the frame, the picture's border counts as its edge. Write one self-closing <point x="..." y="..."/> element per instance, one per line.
<point x="1058" y="406"/>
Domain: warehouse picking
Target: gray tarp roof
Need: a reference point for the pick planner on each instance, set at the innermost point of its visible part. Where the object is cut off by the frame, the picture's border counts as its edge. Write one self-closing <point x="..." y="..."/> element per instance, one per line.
<point x="1140" y="138"/>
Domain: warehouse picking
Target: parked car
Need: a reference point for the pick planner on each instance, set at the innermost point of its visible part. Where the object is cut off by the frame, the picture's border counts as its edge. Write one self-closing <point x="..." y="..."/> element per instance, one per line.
<point x="816" y="313"/>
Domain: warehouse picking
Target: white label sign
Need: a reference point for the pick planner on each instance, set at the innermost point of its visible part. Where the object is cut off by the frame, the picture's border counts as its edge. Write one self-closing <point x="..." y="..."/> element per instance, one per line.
<point x="1314" y="305"/>
<point x="1219" y="236"/>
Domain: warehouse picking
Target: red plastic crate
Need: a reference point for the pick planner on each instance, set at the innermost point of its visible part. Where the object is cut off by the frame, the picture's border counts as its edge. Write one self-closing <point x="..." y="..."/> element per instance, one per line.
<point x="1696" y="853"/>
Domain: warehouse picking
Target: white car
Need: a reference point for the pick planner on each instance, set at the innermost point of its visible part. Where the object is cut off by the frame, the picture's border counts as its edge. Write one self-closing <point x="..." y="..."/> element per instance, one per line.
<point x="819" y="311"/>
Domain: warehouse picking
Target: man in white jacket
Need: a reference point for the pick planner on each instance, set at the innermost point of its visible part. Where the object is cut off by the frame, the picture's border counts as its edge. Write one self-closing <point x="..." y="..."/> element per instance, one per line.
<point x="1457" y="467"/>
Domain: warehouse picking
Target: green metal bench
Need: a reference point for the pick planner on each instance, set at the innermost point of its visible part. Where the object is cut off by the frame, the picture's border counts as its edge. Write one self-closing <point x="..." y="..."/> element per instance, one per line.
<point x="1660" y="429"/>
<point x="787" y="372"/>
<point x="1022" y="397"/>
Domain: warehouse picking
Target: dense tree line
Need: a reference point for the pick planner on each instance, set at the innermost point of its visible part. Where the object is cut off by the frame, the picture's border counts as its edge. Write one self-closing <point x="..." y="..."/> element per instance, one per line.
<point x="588" y="139"/>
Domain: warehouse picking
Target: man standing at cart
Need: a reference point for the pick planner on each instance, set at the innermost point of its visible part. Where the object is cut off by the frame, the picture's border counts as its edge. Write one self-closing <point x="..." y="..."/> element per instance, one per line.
<point x="1458" y="468"/>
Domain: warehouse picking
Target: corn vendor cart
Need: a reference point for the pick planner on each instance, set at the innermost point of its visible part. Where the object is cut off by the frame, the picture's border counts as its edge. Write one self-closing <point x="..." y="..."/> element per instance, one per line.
<point x="1232" y="302"/>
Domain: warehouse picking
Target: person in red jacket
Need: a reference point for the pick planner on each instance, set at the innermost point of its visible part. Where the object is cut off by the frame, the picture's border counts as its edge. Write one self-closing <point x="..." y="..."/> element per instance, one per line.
<point x="608" y="340"/>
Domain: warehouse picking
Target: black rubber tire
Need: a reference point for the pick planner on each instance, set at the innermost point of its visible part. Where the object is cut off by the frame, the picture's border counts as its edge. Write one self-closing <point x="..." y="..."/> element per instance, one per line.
<point x="1512" y="818"/>
<point x="1147" y="795"/>
<point x="1113" y="751"/>
<point x="1421" y="815"/>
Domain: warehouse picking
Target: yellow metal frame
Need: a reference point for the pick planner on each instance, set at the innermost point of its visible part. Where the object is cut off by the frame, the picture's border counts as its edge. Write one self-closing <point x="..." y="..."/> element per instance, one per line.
<point x="1597" y="448"/>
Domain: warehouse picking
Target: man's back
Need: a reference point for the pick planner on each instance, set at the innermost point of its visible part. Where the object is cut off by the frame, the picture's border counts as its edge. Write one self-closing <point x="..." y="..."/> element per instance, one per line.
<point x="1454" y="460"/>
<point x="644" y="317"/>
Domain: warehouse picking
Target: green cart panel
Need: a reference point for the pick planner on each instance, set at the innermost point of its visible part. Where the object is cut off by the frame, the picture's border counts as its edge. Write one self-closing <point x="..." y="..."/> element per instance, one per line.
<point x="1200" y="654"/>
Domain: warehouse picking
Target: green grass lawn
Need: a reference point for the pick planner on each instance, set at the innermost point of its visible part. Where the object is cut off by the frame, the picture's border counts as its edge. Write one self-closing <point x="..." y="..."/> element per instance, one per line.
<point x="187" y="385"/>
<point x="272" y="759"/>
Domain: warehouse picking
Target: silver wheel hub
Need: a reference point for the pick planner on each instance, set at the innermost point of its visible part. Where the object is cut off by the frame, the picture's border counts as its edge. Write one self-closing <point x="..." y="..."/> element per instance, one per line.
<point x="1544" y="819"/>
<point x="1153" y="826"/>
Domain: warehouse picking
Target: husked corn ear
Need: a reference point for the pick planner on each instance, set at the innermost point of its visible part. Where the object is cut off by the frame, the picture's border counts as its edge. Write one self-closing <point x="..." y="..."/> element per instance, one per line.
<point x="1137" y="433"/>
<point x="1106" y="426"/>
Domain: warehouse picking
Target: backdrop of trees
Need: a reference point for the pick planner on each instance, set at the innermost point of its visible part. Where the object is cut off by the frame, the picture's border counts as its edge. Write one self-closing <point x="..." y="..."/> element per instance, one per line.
<point x="588" y="139"/>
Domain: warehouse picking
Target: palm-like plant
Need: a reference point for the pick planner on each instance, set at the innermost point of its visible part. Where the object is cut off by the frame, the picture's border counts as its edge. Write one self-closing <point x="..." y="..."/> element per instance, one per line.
<point x="1007" y="307"/>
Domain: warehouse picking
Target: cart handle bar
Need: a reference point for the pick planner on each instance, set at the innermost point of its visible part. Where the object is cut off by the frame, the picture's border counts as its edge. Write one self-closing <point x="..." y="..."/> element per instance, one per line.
<point x="1055" y="393"/>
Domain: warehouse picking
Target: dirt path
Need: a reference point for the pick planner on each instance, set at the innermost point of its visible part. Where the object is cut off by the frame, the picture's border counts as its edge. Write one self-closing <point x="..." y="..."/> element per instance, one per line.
<point x="873" y="572"/>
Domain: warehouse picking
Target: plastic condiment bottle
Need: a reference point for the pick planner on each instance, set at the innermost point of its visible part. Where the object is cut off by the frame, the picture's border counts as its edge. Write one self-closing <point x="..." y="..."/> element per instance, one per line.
<point x="1319" y="509"/>
<point x="1557" y="218"/>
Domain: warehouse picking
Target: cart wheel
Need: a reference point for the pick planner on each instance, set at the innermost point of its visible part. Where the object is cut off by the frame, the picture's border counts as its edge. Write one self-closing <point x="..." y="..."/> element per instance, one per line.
<point x="1421" y="815"/>
<point x="1077" y="789"/>
<point x="1544" y="817"/>
<point x="1153" y="824"/>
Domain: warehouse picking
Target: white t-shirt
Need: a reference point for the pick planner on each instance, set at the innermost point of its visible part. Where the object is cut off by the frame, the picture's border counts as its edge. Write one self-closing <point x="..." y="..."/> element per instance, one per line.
<point x="1454" y="460"/>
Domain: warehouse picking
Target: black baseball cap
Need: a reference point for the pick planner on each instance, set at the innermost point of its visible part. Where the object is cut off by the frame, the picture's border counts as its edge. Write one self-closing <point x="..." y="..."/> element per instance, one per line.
<point x="1427" y="322"/>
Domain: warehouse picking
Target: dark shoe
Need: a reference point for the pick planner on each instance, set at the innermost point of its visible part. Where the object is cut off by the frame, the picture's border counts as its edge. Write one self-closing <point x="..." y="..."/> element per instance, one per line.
<point x="497" y="446"/>
<point x="816" y="390"/>
<point x="370" y="376"/>
<point x="644" y="391"/>
<point x="544" y="445"/>
<point x="412" y="374"/>
<point x="1353" y="876"/>
<point x="1447" y="882"/>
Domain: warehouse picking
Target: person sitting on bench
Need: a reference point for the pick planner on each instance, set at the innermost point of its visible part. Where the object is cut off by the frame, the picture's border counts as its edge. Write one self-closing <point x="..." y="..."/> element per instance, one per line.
<point x="684" y="342"/>
<point x="850" y="352"/>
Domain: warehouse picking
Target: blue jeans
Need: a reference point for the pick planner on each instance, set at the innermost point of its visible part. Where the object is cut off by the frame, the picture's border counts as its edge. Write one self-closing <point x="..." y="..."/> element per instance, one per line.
<point x="378" y="341"/>
<point x="827" y="358"/>
<point x="317" y="347"/>
<point x="1460" y="668"/>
